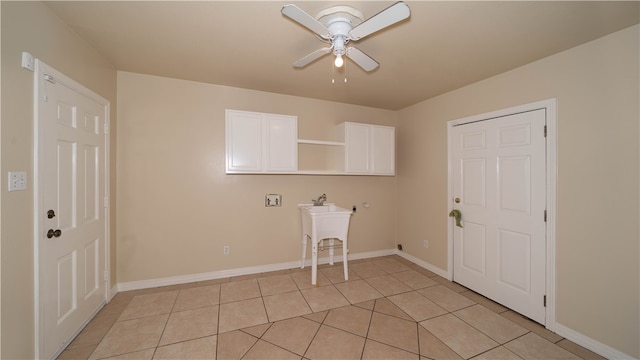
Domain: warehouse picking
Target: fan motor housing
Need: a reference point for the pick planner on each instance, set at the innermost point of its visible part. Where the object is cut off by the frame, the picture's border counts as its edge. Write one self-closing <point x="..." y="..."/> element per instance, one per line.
<point x="340" y="20"/>
<point x="341" y="13"/>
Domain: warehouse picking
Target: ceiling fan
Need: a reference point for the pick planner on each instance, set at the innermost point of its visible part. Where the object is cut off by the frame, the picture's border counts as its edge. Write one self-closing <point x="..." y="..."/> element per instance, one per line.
<point x="338" y="25"/>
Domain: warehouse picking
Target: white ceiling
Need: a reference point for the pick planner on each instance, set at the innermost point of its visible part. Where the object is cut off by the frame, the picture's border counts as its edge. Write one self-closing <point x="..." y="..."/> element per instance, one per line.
<point x="443" y="46"/>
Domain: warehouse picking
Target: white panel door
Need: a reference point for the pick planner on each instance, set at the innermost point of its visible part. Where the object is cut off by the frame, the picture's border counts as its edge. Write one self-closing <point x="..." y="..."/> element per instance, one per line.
<point x="71" y="165"/>
<point x="499" y="187"/>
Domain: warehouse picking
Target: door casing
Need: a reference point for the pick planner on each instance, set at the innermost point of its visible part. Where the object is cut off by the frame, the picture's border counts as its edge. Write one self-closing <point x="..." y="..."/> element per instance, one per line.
<point x="550" y="107"/>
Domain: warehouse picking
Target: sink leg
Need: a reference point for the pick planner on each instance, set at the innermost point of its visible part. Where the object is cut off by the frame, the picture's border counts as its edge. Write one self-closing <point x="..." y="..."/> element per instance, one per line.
<point x="331" y="242"/>
<point x="345" y="250"/>
<point x="304" y="250"/>
<point x="314" y="261"/>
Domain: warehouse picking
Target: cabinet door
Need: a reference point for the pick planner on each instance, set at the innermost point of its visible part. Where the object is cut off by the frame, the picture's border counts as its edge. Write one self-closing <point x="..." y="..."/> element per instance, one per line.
<point x="357" y="145"/>
<point x="281" y="134"/>
<point x="244" y="141"/>
<point x="383" y="150"/>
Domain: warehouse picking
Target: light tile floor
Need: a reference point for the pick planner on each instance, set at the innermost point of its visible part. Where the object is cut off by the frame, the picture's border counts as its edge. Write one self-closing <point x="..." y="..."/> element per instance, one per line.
<point x="389" y="309"/>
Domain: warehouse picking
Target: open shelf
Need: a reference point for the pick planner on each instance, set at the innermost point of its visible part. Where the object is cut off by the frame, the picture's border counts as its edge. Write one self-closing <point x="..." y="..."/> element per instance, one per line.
<point x="320" y="142"/>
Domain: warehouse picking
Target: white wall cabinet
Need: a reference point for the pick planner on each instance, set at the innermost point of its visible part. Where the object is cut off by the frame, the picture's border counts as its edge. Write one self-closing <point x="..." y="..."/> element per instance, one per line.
<point x="261" y="143"/>
<point x="357" y="154"/>
<point x="383" y="150"/>
<point x="369" y="149"/>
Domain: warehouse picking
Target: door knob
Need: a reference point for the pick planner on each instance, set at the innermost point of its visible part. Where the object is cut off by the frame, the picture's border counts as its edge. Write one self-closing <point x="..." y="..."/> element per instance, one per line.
<point x="51" y="214"/>
<point x="457" y="200"/>
<point x="456" y="214"/>
<point x="51" y="233"/>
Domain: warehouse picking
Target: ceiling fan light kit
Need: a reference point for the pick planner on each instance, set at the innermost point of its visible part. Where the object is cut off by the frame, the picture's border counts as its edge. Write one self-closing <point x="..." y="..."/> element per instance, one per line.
<point x="338" y="25"/>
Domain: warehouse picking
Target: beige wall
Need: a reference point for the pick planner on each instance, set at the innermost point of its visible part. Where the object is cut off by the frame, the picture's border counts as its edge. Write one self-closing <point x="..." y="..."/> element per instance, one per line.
<point x="176" y="206"/>
<point x="597" y="89"/>
<point x="30" y="26"/>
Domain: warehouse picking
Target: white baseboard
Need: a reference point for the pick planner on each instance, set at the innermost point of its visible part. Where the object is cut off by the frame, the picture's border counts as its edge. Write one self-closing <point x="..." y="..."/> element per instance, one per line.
<point x="589" y="343"/>
<point x="424" y="264"/>
<point x="184" y="279"/>
<point x="112" y="293"/>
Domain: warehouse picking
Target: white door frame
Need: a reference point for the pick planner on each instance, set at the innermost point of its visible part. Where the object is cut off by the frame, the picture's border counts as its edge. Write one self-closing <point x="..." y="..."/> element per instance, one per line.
<point x="550" y="107"/>
<point x="38" y="179"/>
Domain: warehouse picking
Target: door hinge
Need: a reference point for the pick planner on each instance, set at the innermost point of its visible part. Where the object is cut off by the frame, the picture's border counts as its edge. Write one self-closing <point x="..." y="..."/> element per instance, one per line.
<point x="106" y="128"/>
<point x="545" y="216"/>
<point x="106" y="201"/>
<point x="544" y="301"/>
<point x="49" y="78"/>
<point x="545" y="131"/>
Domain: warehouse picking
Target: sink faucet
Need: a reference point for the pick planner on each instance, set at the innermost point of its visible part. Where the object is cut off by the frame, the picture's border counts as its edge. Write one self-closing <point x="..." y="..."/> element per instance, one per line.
<point x="320" y="201"/>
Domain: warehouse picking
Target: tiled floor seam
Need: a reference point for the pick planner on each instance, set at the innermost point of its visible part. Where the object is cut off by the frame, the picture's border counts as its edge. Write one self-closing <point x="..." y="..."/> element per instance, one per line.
<point x="265" y="309"/>
<point x="347" y="331"/>
<point x="314" y="336"/>
<point x="468" y="323"/>
<point x="167" y="322"/>
<point x="246" y="352"/>
<point x="496" y="347"/>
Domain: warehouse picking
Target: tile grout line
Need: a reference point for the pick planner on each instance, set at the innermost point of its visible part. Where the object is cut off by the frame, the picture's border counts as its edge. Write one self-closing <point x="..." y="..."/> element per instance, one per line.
<point x="218" y="320"/>
<point x="454" y="287"/>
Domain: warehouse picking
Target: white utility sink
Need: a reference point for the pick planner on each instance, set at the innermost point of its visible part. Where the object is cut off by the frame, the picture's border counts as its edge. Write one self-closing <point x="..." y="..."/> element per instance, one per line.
<point x="324" y="222"/>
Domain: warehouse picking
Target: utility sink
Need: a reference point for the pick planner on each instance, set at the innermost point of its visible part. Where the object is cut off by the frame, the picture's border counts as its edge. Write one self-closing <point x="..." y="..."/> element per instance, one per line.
<point x="326" y="221"/>
<point x="329" y="222"/>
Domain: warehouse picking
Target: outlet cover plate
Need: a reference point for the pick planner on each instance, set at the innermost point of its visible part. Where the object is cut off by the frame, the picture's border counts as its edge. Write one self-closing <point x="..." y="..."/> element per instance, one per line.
<point x="27" y="61"/>
<point x="271" y="200"/>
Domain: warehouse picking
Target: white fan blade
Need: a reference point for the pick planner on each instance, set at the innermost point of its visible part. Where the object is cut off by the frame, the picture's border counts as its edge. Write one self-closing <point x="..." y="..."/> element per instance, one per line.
<point x="387" y="17"/>
<point x="311" y="57"/>
<point x="363" y="60"/>
<point x="306" y="20"/>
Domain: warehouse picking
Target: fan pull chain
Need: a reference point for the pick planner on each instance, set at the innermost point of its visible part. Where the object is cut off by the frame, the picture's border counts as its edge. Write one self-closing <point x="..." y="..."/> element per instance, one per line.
<point x="345" y="72"/>
<point x="333" y="73"/>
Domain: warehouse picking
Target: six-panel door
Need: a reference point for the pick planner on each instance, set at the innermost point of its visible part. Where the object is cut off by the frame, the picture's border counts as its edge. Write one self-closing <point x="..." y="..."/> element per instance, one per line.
<point x="499" y="187"/>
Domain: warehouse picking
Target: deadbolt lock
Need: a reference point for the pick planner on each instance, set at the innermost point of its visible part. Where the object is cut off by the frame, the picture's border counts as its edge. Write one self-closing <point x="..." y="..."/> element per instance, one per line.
<point x="457" y="200"/>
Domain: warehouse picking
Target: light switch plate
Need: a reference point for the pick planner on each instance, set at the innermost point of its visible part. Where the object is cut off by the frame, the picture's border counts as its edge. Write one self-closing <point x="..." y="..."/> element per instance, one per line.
<point x="17" y="180"/>
<point x="27" y="61"/>
<point x="272" y="200"/>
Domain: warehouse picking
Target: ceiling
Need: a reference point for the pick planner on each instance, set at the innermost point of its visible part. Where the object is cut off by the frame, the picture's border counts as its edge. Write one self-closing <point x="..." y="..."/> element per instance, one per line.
<point x="443" y="46"/>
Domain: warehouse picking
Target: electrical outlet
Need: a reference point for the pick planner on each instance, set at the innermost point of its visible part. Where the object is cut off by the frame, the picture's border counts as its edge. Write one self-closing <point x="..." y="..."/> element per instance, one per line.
<point x="272" y="200"/>
<point x="425" y="244"/>
<point x="226" y="250"/>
